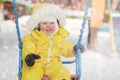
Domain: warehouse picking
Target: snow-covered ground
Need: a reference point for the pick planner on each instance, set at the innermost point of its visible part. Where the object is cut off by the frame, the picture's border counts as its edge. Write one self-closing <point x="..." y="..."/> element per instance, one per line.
<point x="95" y="65"/>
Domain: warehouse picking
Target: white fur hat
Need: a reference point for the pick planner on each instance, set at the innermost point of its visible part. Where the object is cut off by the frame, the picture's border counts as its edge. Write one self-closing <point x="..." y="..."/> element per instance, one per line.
<point x="44" y="13"/>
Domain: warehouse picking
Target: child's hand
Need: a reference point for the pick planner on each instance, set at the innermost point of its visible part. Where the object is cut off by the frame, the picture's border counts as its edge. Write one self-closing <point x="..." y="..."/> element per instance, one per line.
<point x="82" y="49"/>
<point x="30" y="59"/>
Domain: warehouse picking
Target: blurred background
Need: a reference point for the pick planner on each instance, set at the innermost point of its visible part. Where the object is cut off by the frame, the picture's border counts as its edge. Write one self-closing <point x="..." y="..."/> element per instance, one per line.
<point x="75" y="5"/>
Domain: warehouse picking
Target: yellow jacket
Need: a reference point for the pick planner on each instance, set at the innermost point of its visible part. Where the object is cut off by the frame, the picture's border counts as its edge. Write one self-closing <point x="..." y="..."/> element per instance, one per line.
<point x="49" y="48"/>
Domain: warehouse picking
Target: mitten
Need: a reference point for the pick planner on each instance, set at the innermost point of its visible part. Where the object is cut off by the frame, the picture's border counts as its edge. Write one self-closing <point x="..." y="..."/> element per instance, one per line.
<point x="30" y="59"/>
<point x="82" y="48"/>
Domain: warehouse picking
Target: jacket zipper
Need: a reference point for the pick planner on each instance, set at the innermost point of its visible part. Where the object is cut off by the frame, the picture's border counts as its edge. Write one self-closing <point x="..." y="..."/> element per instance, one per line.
<point x="49" y="50"/>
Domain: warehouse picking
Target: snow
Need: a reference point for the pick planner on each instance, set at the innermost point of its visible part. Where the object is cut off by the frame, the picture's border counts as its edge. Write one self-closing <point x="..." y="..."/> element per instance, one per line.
<point x="94" y="65"/>
<point x="98" y="67"/>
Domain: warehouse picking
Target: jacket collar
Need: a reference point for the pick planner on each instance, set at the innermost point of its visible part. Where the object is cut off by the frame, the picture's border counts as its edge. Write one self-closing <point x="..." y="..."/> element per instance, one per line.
<point x="62" y="32"/>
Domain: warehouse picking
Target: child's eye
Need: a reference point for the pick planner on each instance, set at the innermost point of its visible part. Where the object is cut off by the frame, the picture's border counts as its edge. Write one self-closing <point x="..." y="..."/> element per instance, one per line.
<point x="52" y="23"/>
<point x="44" y="22"/>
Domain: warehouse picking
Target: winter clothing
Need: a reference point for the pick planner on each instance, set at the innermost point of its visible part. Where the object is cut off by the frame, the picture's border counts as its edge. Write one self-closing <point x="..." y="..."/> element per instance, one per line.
<point x="30" y="59"/>
<point x="44" y="12"/>
<point x="82" y="48"/>
<point x="50" y="49"/>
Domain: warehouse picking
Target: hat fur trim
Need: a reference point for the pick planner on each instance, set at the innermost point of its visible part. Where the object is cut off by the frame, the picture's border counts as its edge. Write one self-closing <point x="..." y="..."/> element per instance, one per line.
<point x="44" y="13"/>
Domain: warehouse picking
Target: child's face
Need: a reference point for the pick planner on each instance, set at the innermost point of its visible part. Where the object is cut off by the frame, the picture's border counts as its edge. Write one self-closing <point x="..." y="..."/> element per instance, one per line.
<point x="47" y="27"/>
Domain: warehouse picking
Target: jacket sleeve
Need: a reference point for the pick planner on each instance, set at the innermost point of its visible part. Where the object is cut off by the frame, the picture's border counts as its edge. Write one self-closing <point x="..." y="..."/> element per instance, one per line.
<point x="28" y="46"/>
<point x="67" y="49"/>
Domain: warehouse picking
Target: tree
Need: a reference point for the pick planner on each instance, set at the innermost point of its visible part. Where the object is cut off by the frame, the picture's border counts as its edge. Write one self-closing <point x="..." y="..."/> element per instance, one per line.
<point x="96" y="19"/>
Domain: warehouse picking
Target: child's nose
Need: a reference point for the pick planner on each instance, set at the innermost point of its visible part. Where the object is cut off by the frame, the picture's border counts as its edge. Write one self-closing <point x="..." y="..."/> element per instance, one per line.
<point x="49" y="24"/>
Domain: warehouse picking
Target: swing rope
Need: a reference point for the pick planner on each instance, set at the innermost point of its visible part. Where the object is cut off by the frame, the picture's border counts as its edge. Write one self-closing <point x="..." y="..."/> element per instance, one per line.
<point x="78" y="56"/>
<point x="81" y="31"/>
<point x="115" y="54"/>
<point x="19" y="41"/>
